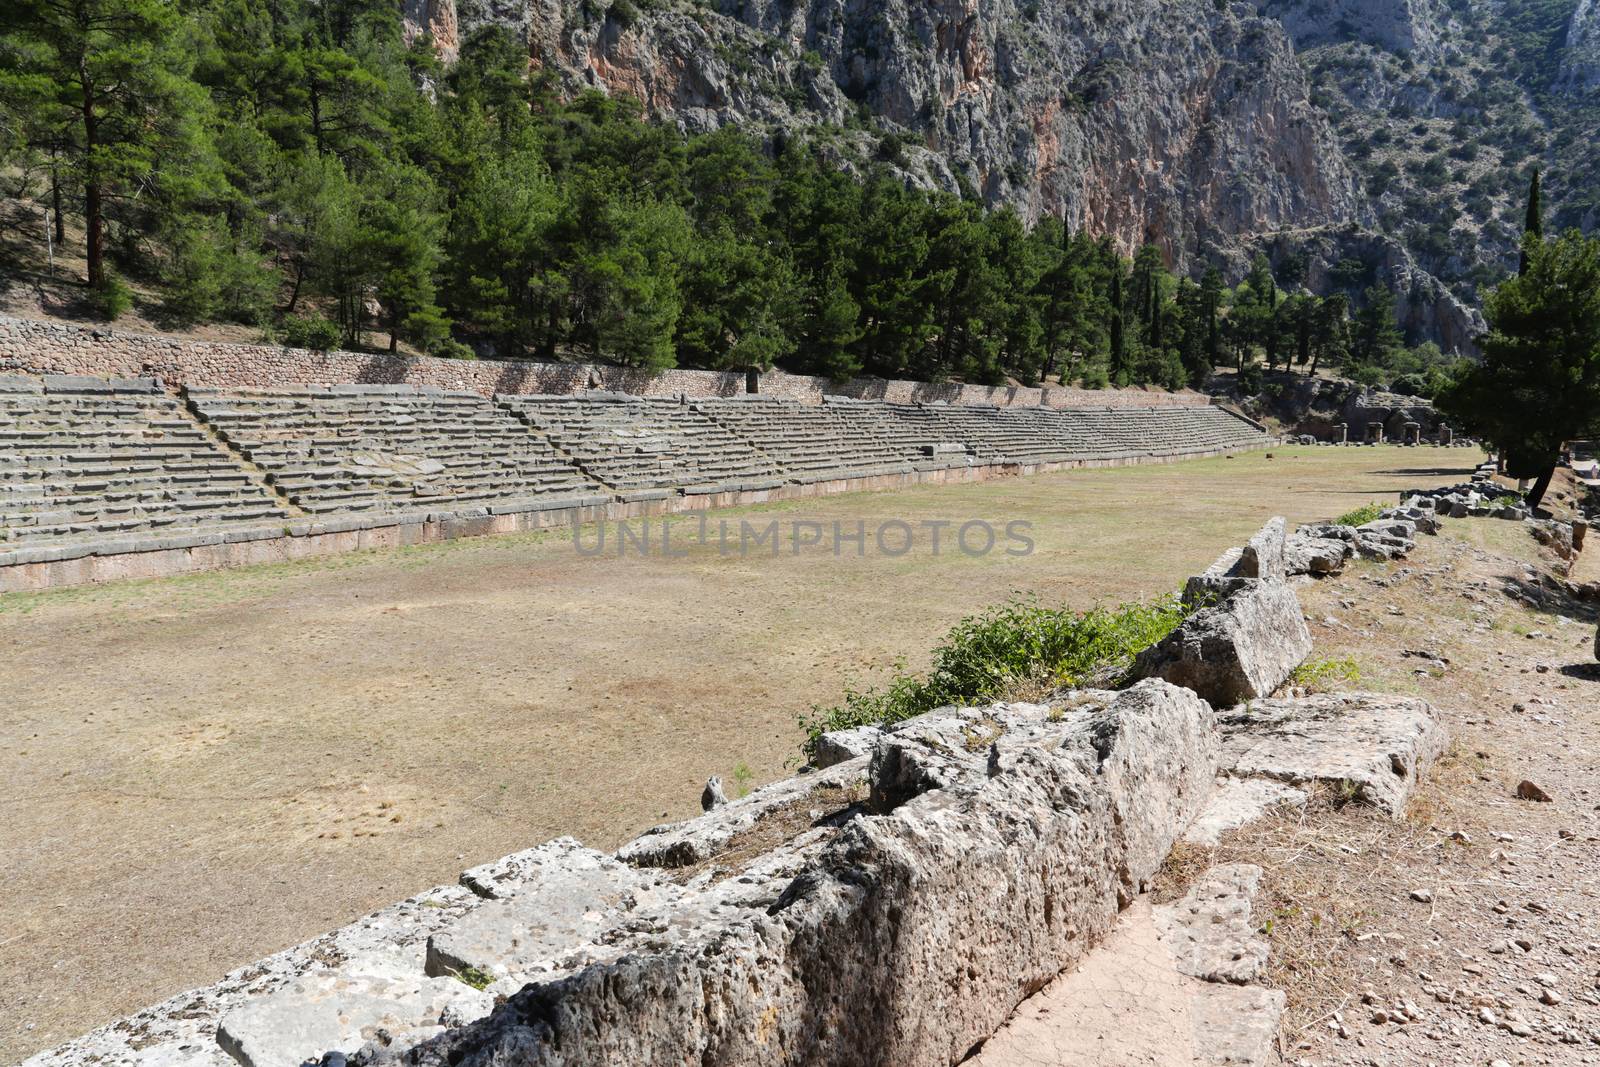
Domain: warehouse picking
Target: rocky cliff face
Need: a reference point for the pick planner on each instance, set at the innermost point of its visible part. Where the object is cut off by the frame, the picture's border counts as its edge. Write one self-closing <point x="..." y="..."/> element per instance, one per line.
<point x="1168" y="122"/>
<point x="1580" y="65"/>
<point x="1201" y="126"/>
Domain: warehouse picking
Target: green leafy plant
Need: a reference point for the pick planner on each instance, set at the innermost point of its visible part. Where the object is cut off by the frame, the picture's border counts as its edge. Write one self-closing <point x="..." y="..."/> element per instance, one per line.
<point x="474" y="977"/>
<point x="985" y="655"/>
<point x="310" y="331"/>
<point x="1360" y="516"/>
<point x="1326" y="675"/>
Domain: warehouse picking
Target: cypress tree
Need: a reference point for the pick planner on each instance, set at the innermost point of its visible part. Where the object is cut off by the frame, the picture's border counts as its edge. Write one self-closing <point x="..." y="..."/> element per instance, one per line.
<point x="1533" y="225"/>
<point x="1119" y="344"/>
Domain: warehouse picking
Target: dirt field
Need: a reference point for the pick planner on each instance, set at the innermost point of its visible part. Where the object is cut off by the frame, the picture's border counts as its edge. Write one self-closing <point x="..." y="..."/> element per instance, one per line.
<point x="200" y="771"/>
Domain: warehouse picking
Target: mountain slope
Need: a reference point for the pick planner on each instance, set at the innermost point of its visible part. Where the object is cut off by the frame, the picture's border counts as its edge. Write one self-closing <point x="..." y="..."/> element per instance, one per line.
<point x="1392" y="134"/>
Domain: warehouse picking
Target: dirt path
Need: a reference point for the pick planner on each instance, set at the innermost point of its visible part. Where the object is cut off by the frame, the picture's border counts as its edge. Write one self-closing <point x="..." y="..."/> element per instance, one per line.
<point x="1468" y="933"/>
<point x="199" y="771"/>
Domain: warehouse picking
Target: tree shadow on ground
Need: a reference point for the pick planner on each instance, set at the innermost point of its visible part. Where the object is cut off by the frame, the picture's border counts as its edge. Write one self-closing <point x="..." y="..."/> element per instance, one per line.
<point x="1430" y="472"/>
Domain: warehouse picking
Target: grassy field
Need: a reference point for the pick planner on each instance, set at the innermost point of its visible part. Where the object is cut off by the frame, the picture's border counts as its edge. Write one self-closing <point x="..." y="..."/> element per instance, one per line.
<point x="202" y="770"/>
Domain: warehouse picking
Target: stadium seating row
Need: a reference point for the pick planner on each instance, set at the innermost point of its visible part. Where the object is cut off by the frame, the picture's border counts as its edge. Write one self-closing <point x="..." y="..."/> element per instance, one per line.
<point x="95" y="458"/>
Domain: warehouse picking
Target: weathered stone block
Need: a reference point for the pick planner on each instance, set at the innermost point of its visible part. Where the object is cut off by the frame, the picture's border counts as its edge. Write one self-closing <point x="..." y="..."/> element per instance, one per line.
<point x="1371" y="744"/>
<point x="1315" y="555"/>
<point x="1239" y="650"/>
<point x="837" y="746"/>
<point x="971" y="894"/>
<point x="697" y="840"/>
<point x="328" y="1011"/>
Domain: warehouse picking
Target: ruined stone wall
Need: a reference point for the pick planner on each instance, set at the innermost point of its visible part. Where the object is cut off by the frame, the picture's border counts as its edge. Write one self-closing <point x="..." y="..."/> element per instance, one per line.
<point x="34" y="347"/>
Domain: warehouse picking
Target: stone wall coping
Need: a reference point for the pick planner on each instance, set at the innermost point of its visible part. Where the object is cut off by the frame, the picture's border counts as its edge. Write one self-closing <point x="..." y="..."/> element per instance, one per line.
<point x="44" y="347"/>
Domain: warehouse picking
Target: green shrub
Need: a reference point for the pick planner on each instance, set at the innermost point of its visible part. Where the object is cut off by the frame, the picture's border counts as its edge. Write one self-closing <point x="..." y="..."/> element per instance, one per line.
<point x="984" y="655"/>
<point x="450" y="348"/>
<point x="311" y="331"/>
<point x="1250" y="379"/>
<point x="112" y="298"/>
<point x="1360" y="516"/>
<point x="1326" y="675"/>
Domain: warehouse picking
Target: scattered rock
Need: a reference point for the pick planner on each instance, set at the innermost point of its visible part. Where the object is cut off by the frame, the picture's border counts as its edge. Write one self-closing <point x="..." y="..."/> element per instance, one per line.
<point x="1527" y="790"/>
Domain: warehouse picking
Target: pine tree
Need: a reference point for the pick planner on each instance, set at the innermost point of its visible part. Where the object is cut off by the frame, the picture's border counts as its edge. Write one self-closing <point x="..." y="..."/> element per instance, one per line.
<point x="1119" y="343"/>
<point x="1538" y="385"/>
<point x="113" y="77"/>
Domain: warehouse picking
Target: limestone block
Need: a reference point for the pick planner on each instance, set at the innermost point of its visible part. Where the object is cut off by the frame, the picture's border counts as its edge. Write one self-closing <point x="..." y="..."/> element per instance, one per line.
<point x="972" y="894"/>
<point x="697" y="840"/>
<point x="1237" y="802"/>
<point x="1261" y="559"/>
<point x="837" y="746"/>
<point x="327" y="1011"/>
<point x="1211" y="930"/>
<point x="561" y="904"/>
<point x="1373" y="744"/>
<point x="1239" y="650"/>
<point x="387" y="944"/>
<point x="1316" y="555"/>
<point x="1263" y="555"/>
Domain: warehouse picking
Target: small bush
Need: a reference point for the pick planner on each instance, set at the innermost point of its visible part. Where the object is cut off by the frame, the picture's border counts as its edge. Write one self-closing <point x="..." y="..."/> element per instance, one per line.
<point x="1326" y="675"/>
<point x="310" y="331"/>
<point x="112" y="298"/>
<point x="986" y="655"/>
<point x="450" y="348"/>
<point x="1250" y="379"/>
<point x="1360" y="516"/>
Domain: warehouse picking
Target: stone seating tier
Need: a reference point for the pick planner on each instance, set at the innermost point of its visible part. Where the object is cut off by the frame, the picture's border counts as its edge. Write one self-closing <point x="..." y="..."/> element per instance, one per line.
<point x="647" y="444"/>
<point x="812" y="442"/>
<point x="95" y="460"/>
<point x="91" y="458"/>
<point x="388" y="447"/>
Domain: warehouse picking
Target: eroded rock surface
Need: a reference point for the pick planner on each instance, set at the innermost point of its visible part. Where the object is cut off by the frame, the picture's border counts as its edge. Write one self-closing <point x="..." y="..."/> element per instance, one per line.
<point x="1241" y="649"/>
<point x="1371" y="744"/>
<point x="1004" y="840"/>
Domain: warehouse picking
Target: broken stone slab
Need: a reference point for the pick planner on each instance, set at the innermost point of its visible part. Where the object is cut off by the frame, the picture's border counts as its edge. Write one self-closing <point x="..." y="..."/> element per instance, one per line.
<point x="1241" y="649"/>
<point x="1238" y="1025"/>
<point x="970" y="895"/>
<point x="182" y="1030"/>
<point x="1211" y="930"/>
<point x="1404" y="529"/>
<point x="686" y="844"/>
<point x="1422" y="520"/>
<point x="1371" y="744"/>
<point x="1383" y="546"/>
<point x="837" y="746"/>
<point x="1238" y="802"/>
<point x="1333" y="530"/>
<point x="508" y="875"/>
<point x="561" y="899"/>
<point x="1263" y="555"/>
<point x="1315" y="555"/>
<point x="1261" y="559"/>
<point x="327" y="1011"/>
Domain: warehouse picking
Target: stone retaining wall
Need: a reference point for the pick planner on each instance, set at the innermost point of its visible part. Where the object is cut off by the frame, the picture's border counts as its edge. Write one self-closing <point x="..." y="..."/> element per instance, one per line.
<point x="30" y="346"/>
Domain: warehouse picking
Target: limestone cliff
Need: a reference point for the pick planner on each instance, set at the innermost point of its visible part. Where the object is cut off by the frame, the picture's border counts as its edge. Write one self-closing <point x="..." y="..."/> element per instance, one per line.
<point x="1580" y="65"/>
<point x="1155" y="121"/>
<point x="1205" y="127"/>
